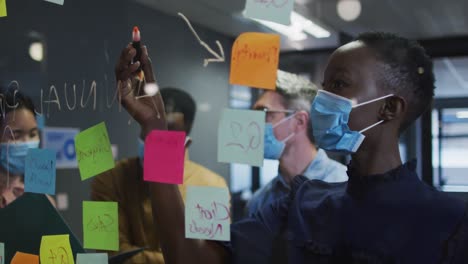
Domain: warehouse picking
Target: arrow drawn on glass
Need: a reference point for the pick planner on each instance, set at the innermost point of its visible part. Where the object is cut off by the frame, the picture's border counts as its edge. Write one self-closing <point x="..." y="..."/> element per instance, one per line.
<point x="218" y="57"/>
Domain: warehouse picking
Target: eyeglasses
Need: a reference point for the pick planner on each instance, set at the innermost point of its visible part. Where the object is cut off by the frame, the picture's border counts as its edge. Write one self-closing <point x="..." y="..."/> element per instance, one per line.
<point x="270" y="113"/>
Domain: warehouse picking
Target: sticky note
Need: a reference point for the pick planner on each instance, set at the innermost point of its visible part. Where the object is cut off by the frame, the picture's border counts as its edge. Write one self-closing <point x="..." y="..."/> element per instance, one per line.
<point x="58" y="2"/>
<point x="207" y="214"/>
<point x="93" y="151"/>
<point x="92" y="258"/>
<point x="2" y="253"/>
<point x="24" y="258"/>
<point x="164" y="157"/>
<point x="240" y="137"/>
<point x="254" y="60"/>
<point x="101" y="225"/>
<point x="3" y="9"/>
<point x="40" y="171"/>
<point x="278" y="11"/>
<point x="56" y="249"/>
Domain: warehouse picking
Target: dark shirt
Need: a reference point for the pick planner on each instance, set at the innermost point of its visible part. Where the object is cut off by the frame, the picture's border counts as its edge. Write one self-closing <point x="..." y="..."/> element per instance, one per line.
<point x="388" y="218"/>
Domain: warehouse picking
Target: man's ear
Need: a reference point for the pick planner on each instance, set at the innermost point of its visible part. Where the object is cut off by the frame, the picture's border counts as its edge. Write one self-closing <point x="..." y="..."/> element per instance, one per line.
<point x="395" y="107"/>
<point x="302" y="119"/>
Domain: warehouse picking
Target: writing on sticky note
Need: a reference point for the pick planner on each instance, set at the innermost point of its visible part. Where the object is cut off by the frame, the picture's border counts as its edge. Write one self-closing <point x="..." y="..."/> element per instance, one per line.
<point x="56" y="249"/>
<point x="24" y="258"/>
<point x="101" y="225"/>
<point x="240" y="137"/>
<point x="92" y="258"/>
<point x="278" y="11"/>
<point x="207" y="214"/>
<point x="3" y="9"/>
<point x="40" y="171"/>
<point x="254" y="60"/>
<point x="93" y="151"/>
<point x="58" y="2"/>
<point x="2" y="253"/>
<point x="164" y="157"/>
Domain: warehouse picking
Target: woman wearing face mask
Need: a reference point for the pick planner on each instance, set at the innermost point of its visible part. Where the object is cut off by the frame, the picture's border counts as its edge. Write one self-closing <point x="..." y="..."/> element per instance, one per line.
<point x="19" y="134"/>
<point x="374" y="88"/>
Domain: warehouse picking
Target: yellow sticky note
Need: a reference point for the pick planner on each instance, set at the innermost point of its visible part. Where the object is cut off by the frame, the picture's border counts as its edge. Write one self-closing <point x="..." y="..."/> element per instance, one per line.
<point x="56" y="249"/>
<point x="254" y="60"/>
<point x="3" y="10"/>
<point x="24" y="258"/>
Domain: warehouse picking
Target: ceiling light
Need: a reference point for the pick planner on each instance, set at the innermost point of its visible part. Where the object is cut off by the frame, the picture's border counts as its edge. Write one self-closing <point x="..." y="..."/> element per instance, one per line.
<point x="298" y="28"/>
<point x="36" y="51"/>
<point x="462" y="114"/>
<point x="349" y="10"/>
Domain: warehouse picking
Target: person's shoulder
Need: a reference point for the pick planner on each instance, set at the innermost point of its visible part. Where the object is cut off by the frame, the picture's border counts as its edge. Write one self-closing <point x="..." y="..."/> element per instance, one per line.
<point x="124" y="169"/>
<point x="446" y="203"/>
<point x="336" y="171"/>
<point x="197" y="174"/>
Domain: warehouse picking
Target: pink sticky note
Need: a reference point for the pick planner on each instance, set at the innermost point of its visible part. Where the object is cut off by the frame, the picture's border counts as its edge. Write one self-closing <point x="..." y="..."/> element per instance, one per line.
<point x="164" y="157"/>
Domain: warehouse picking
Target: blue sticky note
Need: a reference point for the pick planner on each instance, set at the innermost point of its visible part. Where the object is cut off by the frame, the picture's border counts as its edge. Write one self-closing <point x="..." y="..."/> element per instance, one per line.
<point x="2" y="253"/>
<point x="40" y="119"/>
<point x="240" y="137"/>
<point x="40" y="171"/>
<point x="207" y="214"/>
<point x="92" y="258"/>
<point x="278" y="11"/>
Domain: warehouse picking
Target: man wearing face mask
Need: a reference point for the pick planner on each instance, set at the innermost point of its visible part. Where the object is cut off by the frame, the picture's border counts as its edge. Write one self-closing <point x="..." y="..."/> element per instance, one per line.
<point x="19" y="134"/>
<point x="289" y="139"/>
<point x="124" y="184"/>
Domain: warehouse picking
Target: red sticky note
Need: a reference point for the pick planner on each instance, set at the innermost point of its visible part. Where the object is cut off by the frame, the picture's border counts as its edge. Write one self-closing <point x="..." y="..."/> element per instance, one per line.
<point x="24" y="258"/>
<point x="164" y="157"/>
<point x="254" y="60"/>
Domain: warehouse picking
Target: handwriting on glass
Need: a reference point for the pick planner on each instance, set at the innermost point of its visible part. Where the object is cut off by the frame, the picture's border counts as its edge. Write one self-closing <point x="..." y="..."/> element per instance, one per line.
<point x="275" y="3"/>
<point x="101" y="223"/>
<point x="209" y="221"/>
<point x="252" y="132"/>
<point x="59" y="256"/>
<point x="93" y="151"/>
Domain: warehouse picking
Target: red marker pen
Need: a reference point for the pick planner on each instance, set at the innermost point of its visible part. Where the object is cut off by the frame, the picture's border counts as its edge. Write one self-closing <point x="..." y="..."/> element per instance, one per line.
<point x="136" y="45"/>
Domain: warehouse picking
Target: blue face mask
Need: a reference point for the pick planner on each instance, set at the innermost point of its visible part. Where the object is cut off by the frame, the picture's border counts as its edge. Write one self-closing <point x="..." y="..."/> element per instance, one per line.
<point x="16" y="160"/>
<point x="272" y="147"/>
<point x="329" y="115"/>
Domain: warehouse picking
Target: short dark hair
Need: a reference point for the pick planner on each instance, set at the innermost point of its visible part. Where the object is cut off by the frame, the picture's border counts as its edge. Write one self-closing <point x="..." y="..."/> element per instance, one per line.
<point x="177" y="100"/>
<point x="11" y="99"/>
<point x="297" y="93"/>
<point x="408" y="71"/>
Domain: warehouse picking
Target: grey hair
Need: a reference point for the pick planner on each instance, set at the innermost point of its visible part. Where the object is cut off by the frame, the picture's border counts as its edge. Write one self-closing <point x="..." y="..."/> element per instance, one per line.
<point x="298" y="93"/>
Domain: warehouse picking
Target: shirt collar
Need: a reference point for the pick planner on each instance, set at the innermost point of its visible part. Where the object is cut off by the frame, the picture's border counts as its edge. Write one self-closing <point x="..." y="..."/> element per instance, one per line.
<point x="310" y="172"/>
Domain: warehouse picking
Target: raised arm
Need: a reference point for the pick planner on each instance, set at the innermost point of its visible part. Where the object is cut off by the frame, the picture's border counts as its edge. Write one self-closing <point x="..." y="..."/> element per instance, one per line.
<point x="167" y="203"/>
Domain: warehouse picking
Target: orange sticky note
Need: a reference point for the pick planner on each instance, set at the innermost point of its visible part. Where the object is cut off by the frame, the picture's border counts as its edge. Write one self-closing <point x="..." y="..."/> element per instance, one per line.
<point x="25" y="258"/>
<point x="3" y="10"/>
<point x="254" y="60"/>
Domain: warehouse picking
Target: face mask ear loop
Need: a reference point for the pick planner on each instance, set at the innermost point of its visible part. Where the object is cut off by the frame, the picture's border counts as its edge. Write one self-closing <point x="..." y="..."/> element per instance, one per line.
<point x="284" y="120"/>
<point x="373" y="100"/>
<point x="8" y="148"/>
<point x="369" y="127"/>
<point x="288" y="137"/>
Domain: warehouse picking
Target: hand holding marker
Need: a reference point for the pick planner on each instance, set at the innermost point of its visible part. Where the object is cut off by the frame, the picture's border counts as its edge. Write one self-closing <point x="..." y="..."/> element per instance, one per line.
<point x="150" y="88"/>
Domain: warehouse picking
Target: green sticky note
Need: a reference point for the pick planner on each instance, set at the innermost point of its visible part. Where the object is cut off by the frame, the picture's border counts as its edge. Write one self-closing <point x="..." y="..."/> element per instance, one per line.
<point x="2" y="253"/>
<point x="3" y="10"/>
<point x="92" y="258"/>
<point x="93" y="151"/>
<point x="56" y="249"/>
<point x="240" y="137"/>
<point x="101" y="225"/>
<point x="207" y="214"/>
